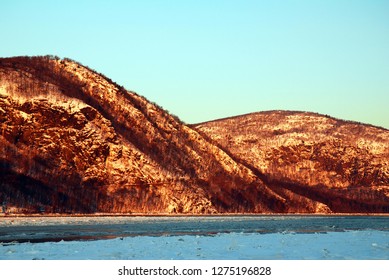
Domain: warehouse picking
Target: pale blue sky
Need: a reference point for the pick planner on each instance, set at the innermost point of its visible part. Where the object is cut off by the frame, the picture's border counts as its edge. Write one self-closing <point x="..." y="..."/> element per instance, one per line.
<point x="205" y="59"/>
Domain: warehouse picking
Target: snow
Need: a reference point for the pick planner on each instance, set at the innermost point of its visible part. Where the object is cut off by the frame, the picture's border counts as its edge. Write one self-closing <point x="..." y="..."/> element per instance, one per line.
<point x="365" y="245"/>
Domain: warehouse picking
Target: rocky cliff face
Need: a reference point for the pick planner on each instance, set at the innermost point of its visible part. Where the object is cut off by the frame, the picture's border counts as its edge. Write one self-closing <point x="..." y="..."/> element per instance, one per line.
<point x="71" y="141"/>
<point x="74" y="141"/>
<point x="343" y="165"/>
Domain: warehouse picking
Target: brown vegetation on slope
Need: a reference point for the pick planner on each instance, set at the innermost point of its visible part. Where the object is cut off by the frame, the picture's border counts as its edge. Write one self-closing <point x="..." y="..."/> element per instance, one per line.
<point x="344" y="165"/>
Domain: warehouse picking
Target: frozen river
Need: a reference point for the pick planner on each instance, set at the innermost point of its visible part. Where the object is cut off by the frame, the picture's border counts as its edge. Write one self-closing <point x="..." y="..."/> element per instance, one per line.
<point x="188" y="237"/>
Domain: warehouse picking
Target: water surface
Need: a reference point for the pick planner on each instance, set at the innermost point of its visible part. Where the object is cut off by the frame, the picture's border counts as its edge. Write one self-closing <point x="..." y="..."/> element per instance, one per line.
<point x="44" y="229"/>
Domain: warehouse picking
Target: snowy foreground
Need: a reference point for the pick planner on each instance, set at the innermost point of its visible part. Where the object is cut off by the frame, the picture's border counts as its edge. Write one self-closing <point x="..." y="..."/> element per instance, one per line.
<point x="365" y="245"/>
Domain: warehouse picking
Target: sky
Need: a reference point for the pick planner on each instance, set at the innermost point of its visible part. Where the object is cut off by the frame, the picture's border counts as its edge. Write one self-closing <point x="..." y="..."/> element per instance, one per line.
<point x="203" y="60"/>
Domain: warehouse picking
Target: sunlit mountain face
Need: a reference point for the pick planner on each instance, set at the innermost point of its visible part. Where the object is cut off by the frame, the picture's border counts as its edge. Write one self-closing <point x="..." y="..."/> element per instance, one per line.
<point x="73" y="141"/>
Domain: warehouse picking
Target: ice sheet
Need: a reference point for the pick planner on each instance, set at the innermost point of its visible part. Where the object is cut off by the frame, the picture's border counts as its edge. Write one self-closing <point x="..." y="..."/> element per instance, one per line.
<point x="368" y="245"/>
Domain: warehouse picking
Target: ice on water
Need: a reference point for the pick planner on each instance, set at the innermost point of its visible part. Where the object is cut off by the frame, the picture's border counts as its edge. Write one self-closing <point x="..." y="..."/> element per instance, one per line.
<point x="332" y="245"/>
<point x="295" y="243"/>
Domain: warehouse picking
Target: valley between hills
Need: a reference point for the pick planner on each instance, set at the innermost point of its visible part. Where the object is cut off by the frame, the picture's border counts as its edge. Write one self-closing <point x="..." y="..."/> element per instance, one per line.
<point x="74" y="142"/>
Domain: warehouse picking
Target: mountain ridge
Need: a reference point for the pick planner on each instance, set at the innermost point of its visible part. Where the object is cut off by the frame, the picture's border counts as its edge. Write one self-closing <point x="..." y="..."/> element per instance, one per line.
<point x="309" y="154"/>
<point x="288" y="112"/>
<point x="164" y="146"/>
<point x="112" y="150"/>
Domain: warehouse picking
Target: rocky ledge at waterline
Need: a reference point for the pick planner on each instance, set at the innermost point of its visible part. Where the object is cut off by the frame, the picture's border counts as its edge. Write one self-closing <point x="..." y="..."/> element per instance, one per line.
<point x="73" y="141"/>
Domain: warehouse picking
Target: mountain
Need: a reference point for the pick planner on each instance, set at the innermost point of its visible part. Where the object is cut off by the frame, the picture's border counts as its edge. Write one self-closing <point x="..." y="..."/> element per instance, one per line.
<point x="73" y="141"/>
<point x="343" y="165"/>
